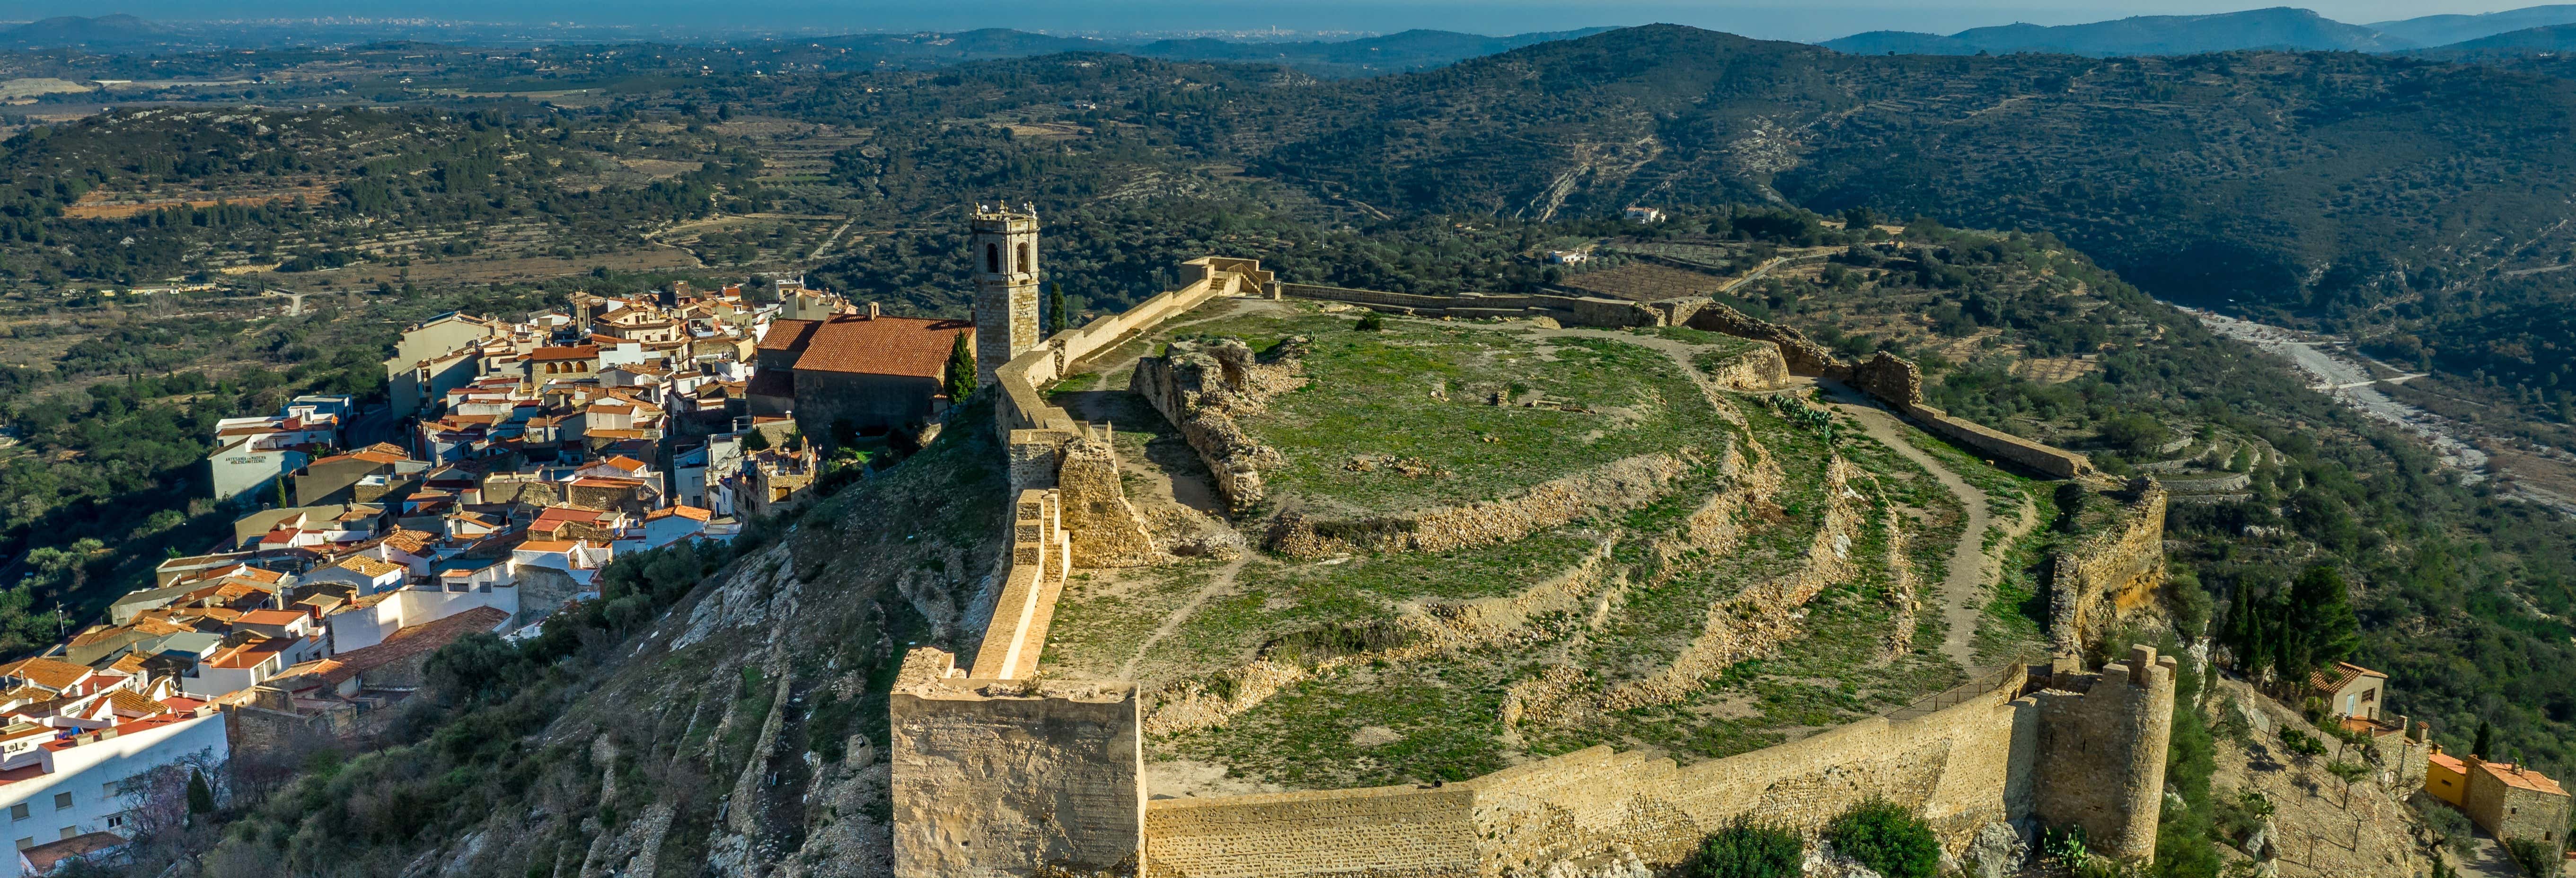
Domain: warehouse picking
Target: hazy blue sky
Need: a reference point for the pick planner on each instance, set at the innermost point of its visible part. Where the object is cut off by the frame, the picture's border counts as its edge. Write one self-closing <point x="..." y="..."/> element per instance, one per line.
<point x="1775" y="19"/>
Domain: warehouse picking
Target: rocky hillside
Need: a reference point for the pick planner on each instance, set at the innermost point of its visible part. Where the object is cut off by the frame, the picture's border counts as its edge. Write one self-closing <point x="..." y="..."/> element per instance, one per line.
<point x="679" y="727"/>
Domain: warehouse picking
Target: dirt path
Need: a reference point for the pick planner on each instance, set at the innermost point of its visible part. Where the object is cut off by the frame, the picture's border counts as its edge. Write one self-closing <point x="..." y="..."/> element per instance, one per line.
<point x="1220" y="584"/>
<point x="1970" y="569"/>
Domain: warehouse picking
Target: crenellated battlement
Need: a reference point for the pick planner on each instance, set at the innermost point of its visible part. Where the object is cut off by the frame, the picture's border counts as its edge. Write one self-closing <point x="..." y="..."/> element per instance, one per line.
<point x="2102" y="743"/>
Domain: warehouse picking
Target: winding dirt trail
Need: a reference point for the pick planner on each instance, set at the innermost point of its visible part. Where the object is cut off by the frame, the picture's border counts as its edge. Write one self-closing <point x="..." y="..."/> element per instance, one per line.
<point x="1970" y="568"/>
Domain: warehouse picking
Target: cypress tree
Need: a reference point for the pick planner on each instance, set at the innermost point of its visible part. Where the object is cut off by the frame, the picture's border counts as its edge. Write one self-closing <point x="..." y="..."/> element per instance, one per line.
<point x="2486" y="738"/>
<point x="961" y="370"/>
<point x="1057" y="319"/>
<point x="201" y="797"/>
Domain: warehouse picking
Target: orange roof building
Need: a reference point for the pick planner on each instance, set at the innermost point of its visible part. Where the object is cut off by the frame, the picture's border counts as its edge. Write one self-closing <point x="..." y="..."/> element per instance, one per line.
<point x="871" y="372"/>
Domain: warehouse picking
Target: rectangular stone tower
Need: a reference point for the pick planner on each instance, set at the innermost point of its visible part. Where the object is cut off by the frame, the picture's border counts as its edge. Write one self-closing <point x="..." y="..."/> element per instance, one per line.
<point x="1018" y="778"/>
<point x="1004" y="247"/>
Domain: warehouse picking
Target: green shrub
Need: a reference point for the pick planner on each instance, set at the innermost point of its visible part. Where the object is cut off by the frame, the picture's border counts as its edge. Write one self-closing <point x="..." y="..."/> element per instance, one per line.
<point x="2450" y="828"/>
<point x="1371" y="322"/>
<point x="2537" y="860"/>
<point x="1745" y="849"/>
<point x="1887" y="838"/>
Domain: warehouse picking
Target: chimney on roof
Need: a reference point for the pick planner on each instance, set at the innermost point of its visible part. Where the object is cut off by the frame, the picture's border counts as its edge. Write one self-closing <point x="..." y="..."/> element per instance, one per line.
<point x="872" y="310"/>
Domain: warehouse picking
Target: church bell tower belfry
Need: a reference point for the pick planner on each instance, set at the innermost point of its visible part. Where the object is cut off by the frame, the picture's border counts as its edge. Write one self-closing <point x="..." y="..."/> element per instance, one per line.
<point x="1004" y="246"/>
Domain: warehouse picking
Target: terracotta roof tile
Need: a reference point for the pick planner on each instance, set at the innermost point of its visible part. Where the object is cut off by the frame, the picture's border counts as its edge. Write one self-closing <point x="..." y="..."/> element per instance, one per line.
<point x="270" y="617"/>
<point x="883" y="346"/>
<point x="2523" y="778"/>
<point x="575" y="352"/>
<point x="132" y="702"/>
<point x="412" y="641"/>
<point x="54" y="674"/>
<point x="368" y="567"/>
<point x="788" y="335"/>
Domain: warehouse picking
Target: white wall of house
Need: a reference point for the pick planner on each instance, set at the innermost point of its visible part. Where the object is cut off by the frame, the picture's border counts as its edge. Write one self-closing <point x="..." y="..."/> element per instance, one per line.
<point x="240" y="469"/>
<point x="90" y="776"/>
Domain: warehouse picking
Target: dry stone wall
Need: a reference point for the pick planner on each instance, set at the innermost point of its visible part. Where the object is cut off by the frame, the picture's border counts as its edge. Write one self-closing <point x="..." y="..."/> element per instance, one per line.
<point x="1896" y="381"/>
<point x="1619" y="485"/>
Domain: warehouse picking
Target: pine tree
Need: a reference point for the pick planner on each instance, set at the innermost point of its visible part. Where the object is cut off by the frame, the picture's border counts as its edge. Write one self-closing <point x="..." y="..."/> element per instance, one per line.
<point x="2321" y="628"/>
<point x="961" y="370"/>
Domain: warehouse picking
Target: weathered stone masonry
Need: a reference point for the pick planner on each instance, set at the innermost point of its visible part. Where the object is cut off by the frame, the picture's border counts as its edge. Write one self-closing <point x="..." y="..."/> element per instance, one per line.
<point x="995" y="773"/>
<point x="2091" y="755"/>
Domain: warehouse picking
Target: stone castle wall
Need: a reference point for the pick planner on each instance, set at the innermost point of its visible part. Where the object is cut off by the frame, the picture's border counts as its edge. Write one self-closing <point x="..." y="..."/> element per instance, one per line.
<point x="1012" y="777"/>
<point x="1990" y="757"/>
<point x="1574" y="310"/>
<point x="1000" y="774"/>
<point x="1805" y="357"/>
<point x="2111" y="575"/>
<point x="2102" y="745"/>
<point x="996" y="773"/>
<point x="1896" y="381"/>
<point x="1200" y="388"/>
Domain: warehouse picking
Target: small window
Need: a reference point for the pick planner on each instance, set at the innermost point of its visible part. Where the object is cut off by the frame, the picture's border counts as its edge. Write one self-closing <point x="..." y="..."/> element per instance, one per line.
<point x="116" y="820"/>
<point x="109" y="788"/>
<point x="993" y="259"/>
<point x="1026" y="259"/>
<point x="26" y="843"/>
<point x="18" y="811"/>
<point x="62" y="801"/>
<point x="70" y="831"/>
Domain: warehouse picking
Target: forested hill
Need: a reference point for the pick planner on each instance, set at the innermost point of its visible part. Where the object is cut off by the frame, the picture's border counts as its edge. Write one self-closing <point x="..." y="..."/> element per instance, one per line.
<point x="2343" y="186"/>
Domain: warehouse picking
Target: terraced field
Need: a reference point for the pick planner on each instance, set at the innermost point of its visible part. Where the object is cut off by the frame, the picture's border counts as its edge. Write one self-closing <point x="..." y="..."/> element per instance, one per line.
<point x="1777" y="571"/>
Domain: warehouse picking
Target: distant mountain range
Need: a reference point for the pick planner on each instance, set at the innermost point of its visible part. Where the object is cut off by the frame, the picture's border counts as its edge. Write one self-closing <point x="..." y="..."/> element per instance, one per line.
<point x="73" y="30"/>
<point x="1368" y="56"/>
<point x="2514" y="31"/>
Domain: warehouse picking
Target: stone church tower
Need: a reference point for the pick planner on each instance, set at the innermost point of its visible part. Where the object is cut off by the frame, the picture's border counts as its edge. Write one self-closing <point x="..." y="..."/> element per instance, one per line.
<point x="1004" y="246"/>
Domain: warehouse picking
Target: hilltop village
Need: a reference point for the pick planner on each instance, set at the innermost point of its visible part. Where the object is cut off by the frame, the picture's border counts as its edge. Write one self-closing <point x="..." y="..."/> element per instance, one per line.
<point x="518" y="459"/>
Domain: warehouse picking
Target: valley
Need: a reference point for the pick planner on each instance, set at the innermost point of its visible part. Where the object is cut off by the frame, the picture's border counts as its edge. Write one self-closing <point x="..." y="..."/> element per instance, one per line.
<point x="1558" y="422"/>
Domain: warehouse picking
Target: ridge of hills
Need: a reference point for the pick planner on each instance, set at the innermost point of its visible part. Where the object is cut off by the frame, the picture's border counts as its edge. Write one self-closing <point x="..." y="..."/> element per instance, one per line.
<point x="2279" y="27"/>
<point x="683" y="725"/>
<point x="2338" y="187"/>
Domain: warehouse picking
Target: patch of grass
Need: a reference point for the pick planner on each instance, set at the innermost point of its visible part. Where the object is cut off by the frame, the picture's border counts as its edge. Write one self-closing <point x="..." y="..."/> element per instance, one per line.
<point x="1441" y="716"/>
<point x="1422" y="391"/>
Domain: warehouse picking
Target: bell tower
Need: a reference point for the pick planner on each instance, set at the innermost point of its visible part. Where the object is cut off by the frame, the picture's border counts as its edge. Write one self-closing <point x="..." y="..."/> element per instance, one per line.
<point x="1004" y="247"/>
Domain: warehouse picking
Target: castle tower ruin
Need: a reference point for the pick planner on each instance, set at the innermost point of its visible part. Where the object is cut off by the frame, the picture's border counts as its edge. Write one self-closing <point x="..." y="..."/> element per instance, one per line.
<point x="2102" y="744"/>
<point x="1004" y="247"/>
